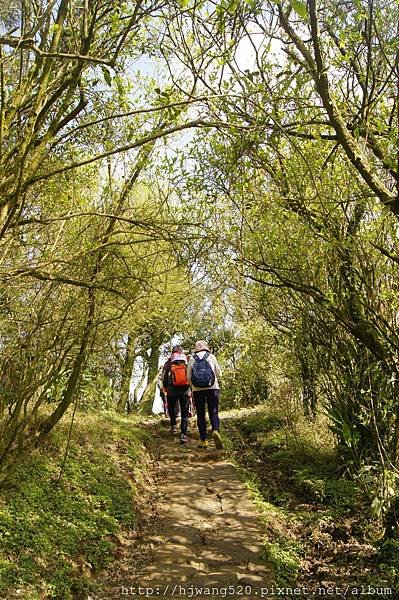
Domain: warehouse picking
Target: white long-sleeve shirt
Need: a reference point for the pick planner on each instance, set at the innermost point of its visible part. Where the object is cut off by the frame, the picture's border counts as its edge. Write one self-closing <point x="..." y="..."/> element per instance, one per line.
<point x="215" y="366"/>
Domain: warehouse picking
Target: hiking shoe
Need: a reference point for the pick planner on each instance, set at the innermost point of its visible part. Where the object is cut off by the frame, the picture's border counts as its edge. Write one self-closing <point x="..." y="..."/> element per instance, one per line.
<point x="203" y="444"/>
<point x="183" y="438"/>
<point x="216" y="439"/>
<point x="174" y="429"/>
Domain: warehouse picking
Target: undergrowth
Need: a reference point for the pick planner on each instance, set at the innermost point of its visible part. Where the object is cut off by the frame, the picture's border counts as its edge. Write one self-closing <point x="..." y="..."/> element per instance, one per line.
<point x="56" y="532"/>
<point x="318" y="529"/>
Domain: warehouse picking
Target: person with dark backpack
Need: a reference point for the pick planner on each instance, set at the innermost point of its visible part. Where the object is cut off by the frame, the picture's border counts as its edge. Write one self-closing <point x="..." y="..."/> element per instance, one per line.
<point x="203" y="372"/>
<point x="177" y="387"/>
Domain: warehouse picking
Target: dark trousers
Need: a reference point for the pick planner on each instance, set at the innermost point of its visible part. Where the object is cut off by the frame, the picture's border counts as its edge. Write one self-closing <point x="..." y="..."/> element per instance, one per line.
<point x="209" y="398"/>
<point x="183" y="400"/>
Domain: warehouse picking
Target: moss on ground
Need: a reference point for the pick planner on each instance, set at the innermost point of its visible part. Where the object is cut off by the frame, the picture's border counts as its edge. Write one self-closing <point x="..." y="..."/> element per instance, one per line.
<point x="55" y="533"/>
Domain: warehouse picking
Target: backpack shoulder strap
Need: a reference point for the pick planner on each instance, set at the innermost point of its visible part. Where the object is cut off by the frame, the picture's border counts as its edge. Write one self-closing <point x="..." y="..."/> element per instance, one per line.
<point x="198" y="359"/>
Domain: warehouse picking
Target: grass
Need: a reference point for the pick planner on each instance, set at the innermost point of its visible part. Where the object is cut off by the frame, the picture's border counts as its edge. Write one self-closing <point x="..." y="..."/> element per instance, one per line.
<point x="280" y="550"/>
<point x="55" y="533"/>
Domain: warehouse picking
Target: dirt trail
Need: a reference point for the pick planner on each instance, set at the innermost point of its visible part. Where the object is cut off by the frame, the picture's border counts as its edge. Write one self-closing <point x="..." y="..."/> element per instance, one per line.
<point x="207" y="536"/>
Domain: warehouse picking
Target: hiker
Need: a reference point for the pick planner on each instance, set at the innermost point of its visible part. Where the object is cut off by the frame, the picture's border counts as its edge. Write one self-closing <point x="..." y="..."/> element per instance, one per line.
<point x="203" y="372"/>
<point x="177" y="389"/>
<point x="191" y="406"/>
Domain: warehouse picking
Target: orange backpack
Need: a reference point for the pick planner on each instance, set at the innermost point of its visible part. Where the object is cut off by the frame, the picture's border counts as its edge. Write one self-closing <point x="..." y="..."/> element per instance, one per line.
<point x="178" y="374"/>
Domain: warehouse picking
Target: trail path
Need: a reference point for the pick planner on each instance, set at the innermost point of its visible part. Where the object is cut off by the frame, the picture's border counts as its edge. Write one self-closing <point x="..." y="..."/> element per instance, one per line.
<point x="207" y="534"/>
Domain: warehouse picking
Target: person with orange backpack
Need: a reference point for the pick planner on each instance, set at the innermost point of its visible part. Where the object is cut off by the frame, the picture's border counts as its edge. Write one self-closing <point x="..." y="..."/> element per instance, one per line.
<point x="177" y="389"/>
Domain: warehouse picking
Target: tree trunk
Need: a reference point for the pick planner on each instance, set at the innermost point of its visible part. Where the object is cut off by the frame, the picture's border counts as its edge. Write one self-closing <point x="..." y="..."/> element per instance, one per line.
<point x="74" y="377"/>
<point x="153" y="362"/>
<point x="135" y="402"/>
<point x="126" y="376"/>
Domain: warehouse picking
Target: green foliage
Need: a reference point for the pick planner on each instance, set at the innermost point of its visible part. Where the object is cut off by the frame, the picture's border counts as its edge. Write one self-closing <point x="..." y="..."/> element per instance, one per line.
<point x="282" y="552"/>
<point x="95" y="391"/>
<point x="309" y="511"/>
<point x="284" y="555"/>
<point x="59" y="530"/>
<point x="245" y="357"/>
<point x="261" y="422"/>
<point x="336" y="493"/>
<point x="389" y="564"/>
<point x="300" y="8"/>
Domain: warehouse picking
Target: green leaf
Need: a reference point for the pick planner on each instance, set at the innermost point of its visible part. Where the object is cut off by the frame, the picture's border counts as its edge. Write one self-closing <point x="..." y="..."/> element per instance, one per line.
<point x="300" y="8"/>
<point x="232" y="7"/>
<point x="120" y="85"/>
<point x="376" y="507"/>
<point x="346" y="434"/>
<point x="107" y="76"/>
